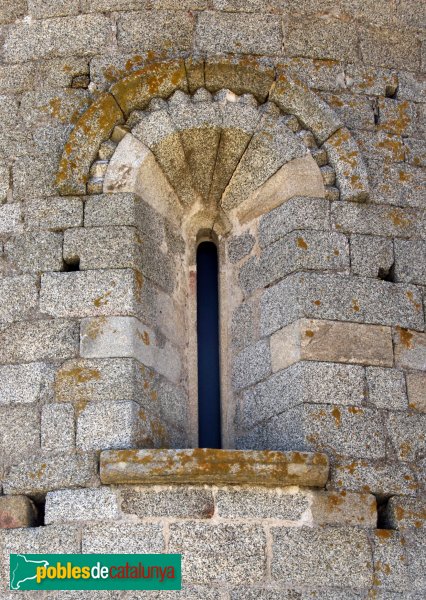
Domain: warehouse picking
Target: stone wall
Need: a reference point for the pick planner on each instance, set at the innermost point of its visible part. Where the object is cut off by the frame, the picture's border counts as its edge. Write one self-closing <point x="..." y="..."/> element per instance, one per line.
<point x="323" y="276"/>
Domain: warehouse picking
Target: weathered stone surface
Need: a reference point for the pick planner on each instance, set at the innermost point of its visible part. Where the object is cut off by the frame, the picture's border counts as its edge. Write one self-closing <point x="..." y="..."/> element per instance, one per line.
<point x="211" y="550"/>
<point x="136" y="538"/>
<point x="297" y="213"/>
<point x="399" y="49"/>
<point x="145" y="30"/>
<point x="51" y="471"/>
<point x="262" y="503"/>
<point x="89" y="293"/>
<point x="344" y="508"/>
<point x="93" y="127"/>
<point x="407" y="434"/>
<point x="252" y="365"/>
<point x="338" y="430"/>
<point x="31" y="40"/>
<point x="177" y="502"/>
<point x="415" y="550"/>
<point x="390" y="561"/>
<point x="35" y="251"/>
<point x="17" y="512"/>
<point x="335" y="297"/>
<point x="411" y="86"/>
<point x="10" y="10"/>
<point x="399" y="184"/>
<point x="248" y="75"/>
<point x="410" y="263"/>
<point x="319" y="74"/>
<point x="240" y="246"/>
<point x="386" y="388"/>
<point x="349" y="217"/>
<point x="18" y="298"/>
<point x="402" y="513"/>
<point x="355" y="111"/>
<point x="109" y="337"/>
<point x="331" y="341"/>
<point x="10" y="218"/>
<point x="303" y="382"/>
<point x="351" y="174"/>
<point x="111" y="209"/>
<point x="416" y="152"/>
<point x="4" y="182"/>
<point x="54" y="214"/>
<point x="104" y="425"/>
<point x="225" y="32"/>
<point x="19" y="432"/>
<point x="27" y="383"/>
<point x="81" y="505"/>
<point x="416" y="389"/>
<point x="43" y="9"/>
<point x="396" y="116"/>
<point x="34" y="176"/>
<point x="292" y="545"/>
<point x="57" y="427"/>
<point x="38" y="341"/>
<point x="379" y="478"/>
<point x="371" y="256"/>
<point x="313" y="113"/>
<point x="382" y="146"/>
<point x="159" y="80"/>
<point x="410" y="349"/>
<point x="213" y="466"/>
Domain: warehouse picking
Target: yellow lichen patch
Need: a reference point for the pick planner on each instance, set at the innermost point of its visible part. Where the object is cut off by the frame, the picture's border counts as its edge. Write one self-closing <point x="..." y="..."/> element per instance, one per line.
<point x="398" y="218"/>
<point x="383" y="534"/>
<point x="144" y="337"/>
<point x="404" y="176"/>
<point x="101" y="300"/>
<point x="355" y="410"/>
<point x="337" y="416"/>
<point x="301" y="243"/>
<point x="317" y="302"/>
<point x="416" y="305"/>
<point x="138" y="283"/>
<point x="405" y="337"/>
<point x="394" y="146"/>
<point x="79" y="375"/>
<point x="400" y="122"/>
<point x="355" y="305"/>
<point x="80" y="405"/>
<point x="95" y="327"/>
<point x="309" y="333"/>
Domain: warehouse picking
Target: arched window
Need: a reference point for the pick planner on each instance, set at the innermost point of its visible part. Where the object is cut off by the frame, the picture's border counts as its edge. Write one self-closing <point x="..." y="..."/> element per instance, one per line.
<point x="209" y="413"/>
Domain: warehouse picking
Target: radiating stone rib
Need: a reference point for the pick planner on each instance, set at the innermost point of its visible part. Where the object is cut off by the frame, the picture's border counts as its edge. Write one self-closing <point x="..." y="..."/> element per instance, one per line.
<point x="271" y="146"/>
<point x="199" y="124"/>
<point x="239" y="122"/>
<point x="157" y="131"/>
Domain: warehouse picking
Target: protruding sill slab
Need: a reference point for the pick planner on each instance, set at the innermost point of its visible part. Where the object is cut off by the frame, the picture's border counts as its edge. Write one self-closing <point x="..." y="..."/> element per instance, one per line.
<point x="209" y="466"/>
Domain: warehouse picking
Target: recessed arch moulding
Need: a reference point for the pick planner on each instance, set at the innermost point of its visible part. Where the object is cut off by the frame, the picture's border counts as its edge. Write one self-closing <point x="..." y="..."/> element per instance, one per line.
<point x="202" y="150"/>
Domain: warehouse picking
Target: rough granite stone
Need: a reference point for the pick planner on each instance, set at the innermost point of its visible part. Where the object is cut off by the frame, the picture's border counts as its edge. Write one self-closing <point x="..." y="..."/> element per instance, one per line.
<point x="177" y="502"/>
<point x="396" y="116"/>
<point x="341" y="298"/>
<point x="105" y="425"/>
<point x="371" y="256"/>
<point x="397" y="184"/>
<point x="155" y="31"/>
<point x="410" y="349"/>
<point x="386" y="388"/>
<point x="240" y="246"/>
<point x="57" y="427"/>
<point x="407" y="434"/>
<point x="26" y="383"/>
<point x="210" y="551"/>
<point x="403" y="513"/>
<point x="399" y="49"/>
<point x="10" y="218"/>
<point x="18" y="298"/>
<point x="410" y="262"/>
<point x="81" y="505"/>
<point x="303" y="382"/>
<point x="38" y="341"/>
<point x="331" y="341"/>
<point x="252" y="365"/>
<point x="379" y="478"/>
<point x="292" y="545"/>
<point x="133" y="538"/>
<point x="17" y="512"/>
<point x="390" y="561"/>
<point x="297" y="213"/>
<point x="19" y="432"/>
<point x="243" y="325"/>
<point x="344" y="508"/>
<point x="35" y="252"/>
<point x="262" y="503"/>
<point x="54" y="214"/>
<point x="50" y="471"/>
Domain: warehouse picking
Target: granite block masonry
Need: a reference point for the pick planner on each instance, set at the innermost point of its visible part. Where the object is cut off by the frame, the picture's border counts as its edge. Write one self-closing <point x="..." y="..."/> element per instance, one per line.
<point x="289" y="134"/>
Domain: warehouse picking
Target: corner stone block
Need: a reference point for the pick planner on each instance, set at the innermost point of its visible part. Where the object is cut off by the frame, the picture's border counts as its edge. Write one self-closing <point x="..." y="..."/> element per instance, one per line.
<point x="313" y="112"/>
<point x="46" y="472"/>
<point x="345" y="157"/>
<point x="81" y="505"/>
<point x="93" y="128"/>
<point x="17" y="512"/>
<point x="352" y="343"/>
<point x="410" y="349"/>
<point x="108" y="337"/>
<point x="159" y="79"/>
<point x="213" y="553"/>
<point x="325" y="566"/>
<point x="179" y="502"/>
<point x="344" y="508"/>
<point x="108" y="425"/>
<point x="406" y="513"/>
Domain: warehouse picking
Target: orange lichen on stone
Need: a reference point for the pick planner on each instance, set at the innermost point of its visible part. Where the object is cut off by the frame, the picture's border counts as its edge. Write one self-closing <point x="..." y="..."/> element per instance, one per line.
<point x="405" y="337"/>
<point x="337" y="416"/>
<point x="416" y="305"/>
<point x="79" y="374"/>
<point x="317" y="302"/>
<point x="355" y="305"/>
<point x="309" y="333"/>
<point x="395" y="147"/>
<point x="383" y="534"/>
<point x="400" y="122"/>
<point x="301" y="243"/>
<point x="101" y="300"/>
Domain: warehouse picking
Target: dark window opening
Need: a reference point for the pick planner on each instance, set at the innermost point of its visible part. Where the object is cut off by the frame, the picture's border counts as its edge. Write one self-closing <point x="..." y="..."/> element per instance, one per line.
<point x="209" y="430"/>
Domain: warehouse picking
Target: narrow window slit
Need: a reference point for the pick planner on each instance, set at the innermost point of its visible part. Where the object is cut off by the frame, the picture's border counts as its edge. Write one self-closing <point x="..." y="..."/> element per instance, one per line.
<point x="209" y="418"/>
